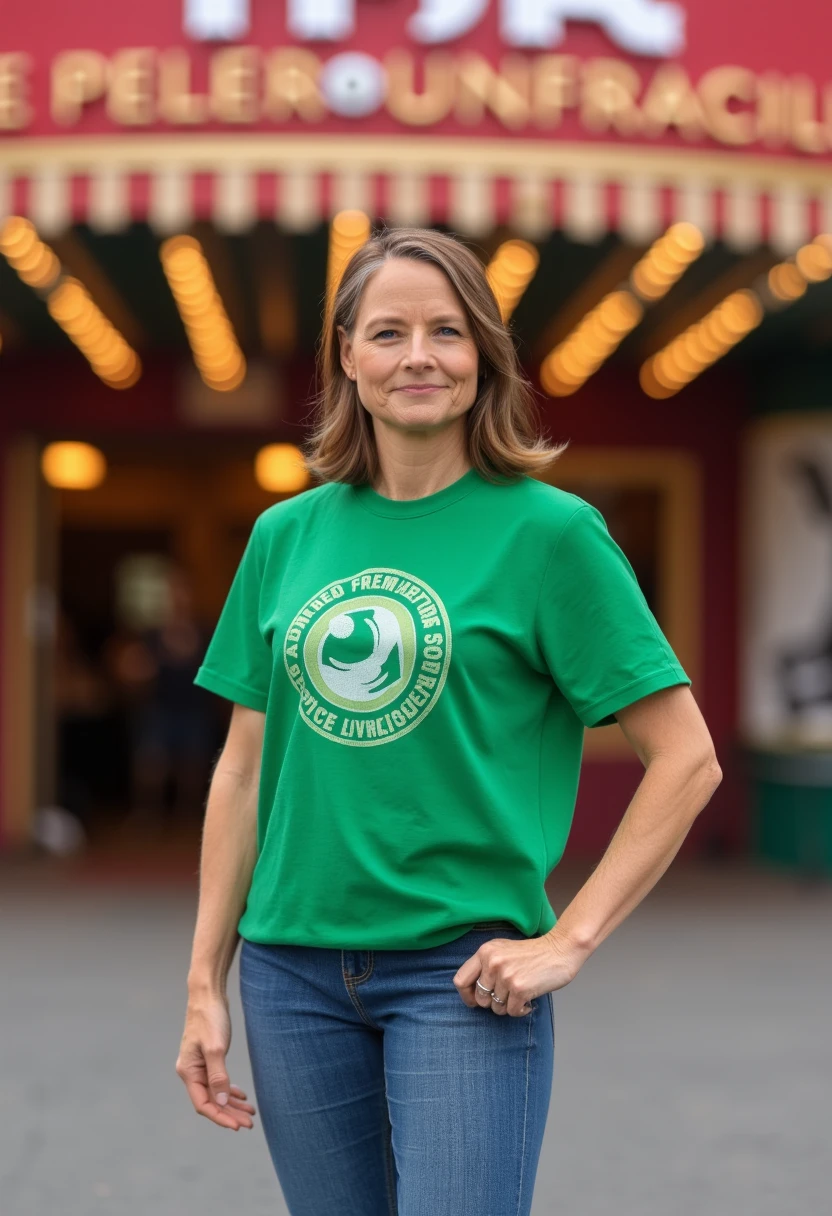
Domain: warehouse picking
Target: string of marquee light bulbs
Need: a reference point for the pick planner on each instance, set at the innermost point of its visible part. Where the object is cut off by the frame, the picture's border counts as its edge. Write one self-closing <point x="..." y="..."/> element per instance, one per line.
<point x="602" y="330"/>
<point x="511" y="269"/>
<point x="70" y="304"/>
<point x="216" y="351"/>
<point x="705" y="341"/>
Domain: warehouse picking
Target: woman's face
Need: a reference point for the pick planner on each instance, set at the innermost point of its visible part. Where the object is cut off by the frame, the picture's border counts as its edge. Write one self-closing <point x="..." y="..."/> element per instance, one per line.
<point x="412" y="353"/>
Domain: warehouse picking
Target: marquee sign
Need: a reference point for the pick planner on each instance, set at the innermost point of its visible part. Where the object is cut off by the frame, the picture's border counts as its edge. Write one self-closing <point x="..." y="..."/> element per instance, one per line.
<point x="574" y="113"/>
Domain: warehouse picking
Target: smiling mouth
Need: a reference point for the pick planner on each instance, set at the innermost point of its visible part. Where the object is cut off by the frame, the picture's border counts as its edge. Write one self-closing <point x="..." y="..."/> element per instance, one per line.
<point x="420" y="388"/>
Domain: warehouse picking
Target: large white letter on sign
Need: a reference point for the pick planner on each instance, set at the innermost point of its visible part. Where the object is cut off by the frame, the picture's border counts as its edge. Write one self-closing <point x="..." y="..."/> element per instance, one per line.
<point x="442" y="20"/>
<point x="222" y="20"/>
<point x="647" y="27"/>
<point x="320" y="20"/>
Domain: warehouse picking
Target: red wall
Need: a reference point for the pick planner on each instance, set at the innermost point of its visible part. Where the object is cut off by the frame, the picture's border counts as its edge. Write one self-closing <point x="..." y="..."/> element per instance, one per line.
<point x="706" y="421"/>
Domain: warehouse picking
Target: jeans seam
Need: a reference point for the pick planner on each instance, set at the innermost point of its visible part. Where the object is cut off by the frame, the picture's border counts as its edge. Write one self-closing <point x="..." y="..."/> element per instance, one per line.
<point x="525" y="1109"/>
<point x="389" y="1159"/>
<point x="365" y="975"/>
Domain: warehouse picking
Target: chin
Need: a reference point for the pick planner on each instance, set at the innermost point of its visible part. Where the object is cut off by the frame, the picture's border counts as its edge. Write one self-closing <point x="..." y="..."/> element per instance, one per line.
<point x="419" y="418"/>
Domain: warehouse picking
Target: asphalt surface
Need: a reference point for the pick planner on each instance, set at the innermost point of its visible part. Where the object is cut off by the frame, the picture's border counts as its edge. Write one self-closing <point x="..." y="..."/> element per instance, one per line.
<point x="693" y="1062"/>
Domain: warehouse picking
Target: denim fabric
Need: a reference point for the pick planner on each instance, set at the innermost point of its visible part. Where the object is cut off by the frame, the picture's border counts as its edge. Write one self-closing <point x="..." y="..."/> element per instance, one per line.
<point x="382" y="1094"/>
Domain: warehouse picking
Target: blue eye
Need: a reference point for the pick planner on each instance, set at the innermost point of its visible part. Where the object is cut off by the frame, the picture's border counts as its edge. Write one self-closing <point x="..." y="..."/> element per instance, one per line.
<point x="451" y="328"/>
<point x="381" y="333"/>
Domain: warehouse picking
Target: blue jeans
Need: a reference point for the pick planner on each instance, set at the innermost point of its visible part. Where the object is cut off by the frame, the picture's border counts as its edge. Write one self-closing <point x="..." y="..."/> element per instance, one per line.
<point x="382" y="1094"/>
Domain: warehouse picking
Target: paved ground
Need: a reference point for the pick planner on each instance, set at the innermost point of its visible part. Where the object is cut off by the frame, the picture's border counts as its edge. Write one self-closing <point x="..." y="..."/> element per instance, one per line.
<point x="692" y="1075"/>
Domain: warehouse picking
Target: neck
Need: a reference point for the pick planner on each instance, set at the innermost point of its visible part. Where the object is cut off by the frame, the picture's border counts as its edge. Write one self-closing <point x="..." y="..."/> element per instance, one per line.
<point x="415" y="465"/>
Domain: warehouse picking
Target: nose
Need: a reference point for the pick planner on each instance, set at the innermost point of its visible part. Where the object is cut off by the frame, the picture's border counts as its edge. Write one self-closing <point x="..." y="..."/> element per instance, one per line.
<point x="419" y="354"/>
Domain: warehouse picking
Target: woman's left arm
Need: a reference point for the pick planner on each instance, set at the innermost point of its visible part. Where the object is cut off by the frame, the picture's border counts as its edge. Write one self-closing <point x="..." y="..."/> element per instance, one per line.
<point x="669" y="735"/>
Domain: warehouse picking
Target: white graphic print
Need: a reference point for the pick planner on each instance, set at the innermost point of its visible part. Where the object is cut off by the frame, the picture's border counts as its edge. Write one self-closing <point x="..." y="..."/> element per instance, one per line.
<point x="362" y="679"/>
<point x="368" y="656"/>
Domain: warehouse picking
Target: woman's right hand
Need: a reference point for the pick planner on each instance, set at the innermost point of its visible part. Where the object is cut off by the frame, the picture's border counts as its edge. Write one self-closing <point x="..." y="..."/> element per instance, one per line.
<point x="201" y="1064"/>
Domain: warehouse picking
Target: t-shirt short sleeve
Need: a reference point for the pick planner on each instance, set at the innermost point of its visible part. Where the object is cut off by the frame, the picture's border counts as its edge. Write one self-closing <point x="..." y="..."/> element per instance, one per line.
<point x="238" y="661"/>
<point x="599" y="638"/>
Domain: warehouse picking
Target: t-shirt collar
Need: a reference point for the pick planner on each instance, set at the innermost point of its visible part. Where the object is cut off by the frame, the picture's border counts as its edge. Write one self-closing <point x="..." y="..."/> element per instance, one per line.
<point x="410" y="508"/>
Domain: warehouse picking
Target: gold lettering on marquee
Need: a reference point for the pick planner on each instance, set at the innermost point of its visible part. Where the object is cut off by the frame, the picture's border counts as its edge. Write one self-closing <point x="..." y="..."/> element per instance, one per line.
<point x="554" y="88"/>
<point x="15" y="111"/>
<point x="670" y="101"/>
<point x="436" y="98"/>
<point x="235" y="78"/>
<point x="503" y="90"/>
<point x="78" y="77"/>
<point x="608" y="98"/>
<point x="131" y="85"/>
<point x="807" y="131"/>
<point x="718" y="89"/>
<point x="177" y="103"/>
<point x="772" y="109"/>
<point x="292" y="85"/>
<point x="729" y="104"/>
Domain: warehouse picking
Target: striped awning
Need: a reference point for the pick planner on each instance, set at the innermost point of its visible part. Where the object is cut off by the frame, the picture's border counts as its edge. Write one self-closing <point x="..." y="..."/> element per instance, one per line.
<point x="533" y="186"/>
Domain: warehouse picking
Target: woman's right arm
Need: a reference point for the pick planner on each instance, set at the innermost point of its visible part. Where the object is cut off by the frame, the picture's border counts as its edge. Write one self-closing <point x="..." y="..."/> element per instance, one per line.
<point x="229" y="852"/>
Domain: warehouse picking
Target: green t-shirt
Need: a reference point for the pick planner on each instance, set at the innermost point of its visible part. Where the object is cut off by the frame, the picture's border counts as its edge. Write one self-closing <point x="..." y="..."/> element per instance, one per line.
<point x="426" y="668"/>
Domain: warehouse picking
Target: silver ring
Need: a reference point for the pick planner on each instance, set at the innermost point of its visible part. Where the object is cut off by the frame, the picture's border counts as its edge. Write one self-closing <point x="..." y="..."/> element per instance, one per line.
<point x="490" y="992"/>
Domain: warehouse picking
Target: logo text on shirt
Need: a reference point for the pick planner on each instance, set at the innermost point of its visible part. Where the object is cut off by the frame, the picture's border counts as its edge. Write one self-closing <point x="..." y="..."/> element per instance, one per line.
<point x="369" y="655"/>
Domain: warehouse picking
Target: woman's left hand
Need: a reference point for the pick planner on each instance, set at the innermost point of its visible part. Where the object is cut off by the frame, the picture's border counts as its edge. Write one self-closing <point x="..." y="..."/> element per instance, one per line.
<point x="517" y="972"/>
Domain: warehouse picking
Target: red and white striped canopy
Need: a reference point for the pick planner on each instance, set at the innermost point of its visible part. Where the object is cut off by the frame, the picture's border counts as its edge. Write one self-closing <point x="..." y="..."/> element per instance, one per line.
<point x="472" y="185"/>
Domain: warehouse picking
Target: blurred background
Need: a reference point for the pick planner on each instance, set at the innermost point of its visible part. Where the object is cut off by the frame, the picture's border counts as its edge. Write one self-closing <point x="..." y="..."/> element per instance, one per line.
<point x="650" y="188"/>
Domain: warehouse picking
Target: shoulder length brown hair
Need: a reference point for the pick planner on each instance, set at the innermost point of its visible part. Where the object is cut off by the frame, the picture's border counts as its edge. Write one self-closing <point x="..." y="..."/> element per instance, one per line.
<point x="502" y="425"/>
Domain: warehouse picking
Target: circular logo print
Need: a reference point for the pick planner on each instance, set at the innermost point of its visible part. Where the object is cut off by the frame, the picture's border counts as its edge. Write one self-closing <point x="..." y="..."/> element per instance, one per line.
<point x="369" y="655"/>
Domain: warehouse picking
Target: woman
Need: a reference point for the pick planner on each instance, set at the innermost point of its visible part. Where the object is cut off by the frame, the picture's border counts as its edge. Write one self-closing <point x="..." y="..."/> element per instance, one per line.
<point x="414" y="648"/>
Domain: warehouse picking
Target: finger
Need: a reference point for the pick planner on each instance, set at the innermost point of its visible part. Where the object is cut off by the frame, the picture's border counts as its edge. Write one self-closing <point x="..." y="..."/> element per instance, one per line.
<point x="223" y="1117"/>
<point x="238" y="1097"/>
<point x="496" y="1007"/>
<point x="237" y="1104"/>
<point x="218" y="1082"/>
<point x="203" y="1104"/>
<point x="468" y="972"/>
<point x="483" y="988"/>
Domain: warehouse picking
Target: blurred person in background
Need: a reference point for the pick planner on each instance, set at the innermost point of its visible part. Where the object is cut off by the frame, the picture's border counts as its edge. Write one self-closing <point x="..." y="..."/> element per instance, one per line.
<point x="413" y="650"/>
<point x="83" y="708"/>
<point x="171" y="725"/>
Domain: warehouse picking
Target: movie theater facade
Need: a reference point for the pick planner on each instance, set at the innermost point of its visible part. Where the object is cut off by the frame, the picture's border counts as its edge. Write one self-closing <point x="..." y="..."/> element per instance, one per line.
<point x="650" y="185"/>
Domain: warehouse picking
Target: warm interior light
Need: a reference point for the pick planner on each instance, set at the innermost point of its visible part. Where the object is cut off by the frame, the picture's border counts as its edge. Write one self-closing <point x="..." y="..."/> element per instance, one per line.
<point x="509" y="273"/>
<point x="348" y="231"/>
<point x="73" y="466"/>
<point x="214" y="345"/>
<point x="281" y="469"/>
